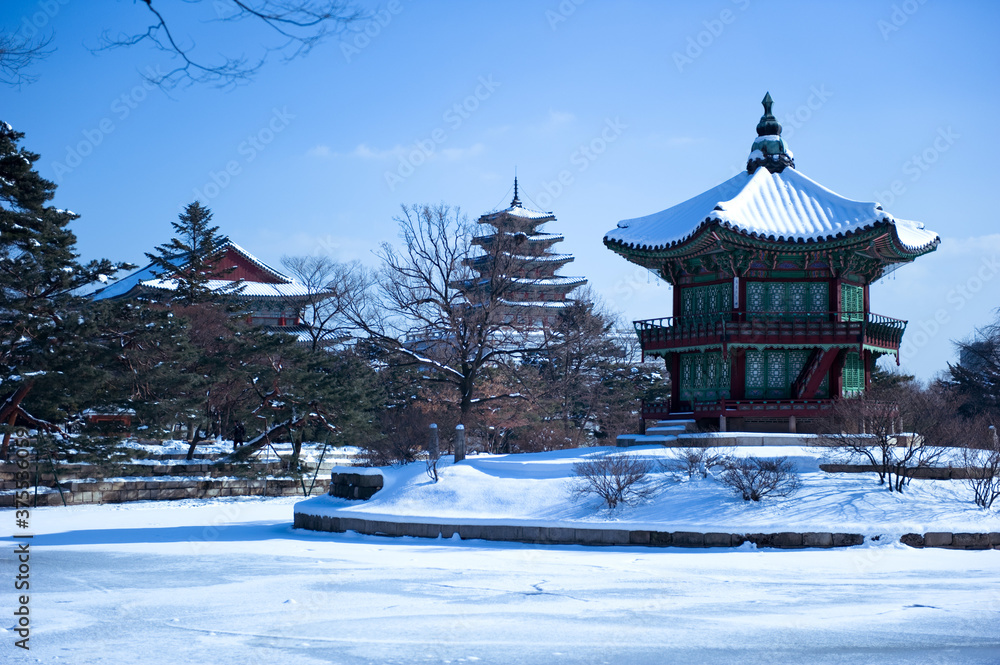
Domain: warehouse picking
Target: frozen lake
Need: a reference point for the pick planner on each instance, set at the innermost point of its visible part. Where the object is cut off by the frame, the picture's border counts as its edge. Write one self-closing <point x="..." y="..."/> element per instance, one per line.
<point x="149" y="582"/>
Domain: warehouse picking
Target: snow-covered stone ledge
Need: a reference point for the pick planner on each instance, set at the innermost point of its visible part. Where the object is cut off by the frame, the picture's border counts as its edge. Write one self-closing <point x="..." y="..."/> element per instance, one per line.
<point x="953" y="541"/>
<point x="560" y="535"/>
<point x="354" y="482"/>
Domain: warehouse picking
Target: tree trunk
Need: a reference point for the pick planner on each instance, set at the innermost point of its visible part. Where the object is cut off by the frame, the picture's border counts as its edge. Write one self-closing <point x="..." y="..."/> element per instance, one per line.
<point x="8" y="415"/>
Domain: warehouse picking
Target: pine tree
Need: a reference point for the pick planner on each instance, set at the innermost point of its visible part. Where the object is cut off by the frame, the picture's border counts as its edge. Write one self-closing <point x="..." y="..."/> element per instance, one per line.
<point x="39" y="269"/>
<point x="188" y="257"/>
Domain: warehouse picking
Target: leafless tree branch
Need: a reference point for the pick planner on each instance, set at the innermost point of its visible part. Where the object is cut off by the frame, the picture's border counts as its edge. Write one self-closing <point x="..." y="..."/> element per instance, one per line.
<point x="299" y="24"/>
<point x="17" y="54"/>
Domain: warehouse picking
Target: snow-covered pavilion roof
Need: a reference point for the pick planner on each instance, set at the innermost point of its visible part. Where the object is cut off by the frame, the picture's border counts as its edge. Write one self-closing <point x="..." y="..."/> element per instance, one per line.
<point x="785" y="206"/>
<point x="243" y="288"/>
<point x="153" y="278"/>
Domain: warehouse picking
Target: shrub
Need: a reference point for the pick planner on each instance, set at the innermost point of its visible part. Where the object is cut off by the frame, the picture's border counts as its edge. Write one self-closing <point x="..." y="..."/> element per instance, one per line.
<point x="616" y="478"/>
<point x="756" y="478"/>
<point x="695" y="460"/>
<point x="983" y="465"/>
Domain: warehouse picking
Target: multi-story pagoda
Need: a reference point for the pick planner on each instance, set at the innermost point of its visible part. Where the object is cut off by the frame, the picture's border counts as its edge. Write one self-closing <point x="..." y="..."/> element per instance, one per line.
<point x="770" y="273"/>
<point x="536" y="294"/>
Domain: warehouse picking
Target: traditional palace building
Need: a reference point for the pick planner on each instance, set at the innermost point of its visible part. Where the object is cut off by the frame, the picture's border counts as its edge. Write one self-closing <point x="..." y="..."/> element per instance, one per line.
<point x="770" y="273"/>
<point x="270" y="298"/>
<point x="538" y="294"/>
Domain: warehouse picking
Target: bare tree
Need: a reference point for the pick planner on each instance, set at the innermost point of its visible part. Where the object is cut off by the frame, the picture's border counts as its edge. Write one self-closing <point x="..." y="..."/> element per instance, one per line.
<point x="17" y="54"/>
<point x="431" y="309"/>
<point x="332" y="285"/>
<point x="982" y="462"/>
<point x="756" y="478"/>
<point x="617" y="478"/>
<point x="897" y="428"/>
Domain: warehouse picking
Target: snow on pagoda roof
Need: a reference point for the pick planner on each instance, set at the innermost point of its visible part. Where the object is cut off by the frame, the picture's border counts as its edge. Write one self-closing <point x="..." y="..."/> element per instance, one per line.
<point x="532" y="237"/>
<point x="785" y="206"/>
<point x="518" y="210"/>
<point x="556" y="280"/>
<point x="547" y="304"/>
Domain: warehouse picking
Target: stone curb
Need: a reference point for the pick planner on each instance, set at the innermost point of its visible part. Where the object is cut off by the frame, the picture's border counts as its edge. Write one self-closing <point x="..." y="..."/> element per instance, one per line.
<point x="953" y="541"/>
<point x="544" y="535"/>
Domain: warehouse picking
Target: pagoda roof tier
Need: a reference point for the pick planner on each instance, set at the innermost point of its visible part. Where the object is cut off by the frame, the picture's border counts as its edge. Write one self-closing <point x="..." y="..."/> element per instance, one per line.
<point x="538" y="304"/>
<point x="785" y="207"/>
<point x="555" y="282"/>
<point x="540" y="238"/>
<point x="519" y="212"/>
<point x="553" y="261"/>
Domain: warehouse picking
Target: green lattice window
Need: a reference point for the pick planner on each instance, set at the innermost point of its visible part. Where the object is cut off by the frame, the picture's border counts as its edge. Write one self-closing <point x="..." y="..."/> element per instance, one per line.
<point x="769" y="374"/>
<point x="854" y="374"/>
<point x="793" y="299"/>
<point x="704" y="377"/>
<point x="710" y="299"/>
<point x="852" y="302"/>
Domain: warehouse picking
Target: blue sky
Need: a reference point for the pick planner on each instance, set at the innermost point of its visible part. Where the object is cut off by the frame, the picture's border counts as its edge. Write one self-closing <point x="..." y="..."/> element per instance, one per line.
<point x="634" y="106"/>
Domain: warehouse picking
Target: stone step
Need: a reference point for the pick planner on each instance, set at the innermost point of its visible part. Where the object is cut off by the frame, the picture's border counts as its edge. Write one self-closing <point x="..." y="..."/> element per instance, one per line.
<point x="628" y="440"/>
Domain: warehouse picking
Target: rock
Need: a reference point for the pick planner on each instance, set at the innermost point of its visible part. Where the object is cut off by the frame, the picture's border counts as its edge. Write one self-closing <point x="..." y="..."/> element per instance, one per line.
<point x="817" y="539"/>
<point x="937" y="539"/>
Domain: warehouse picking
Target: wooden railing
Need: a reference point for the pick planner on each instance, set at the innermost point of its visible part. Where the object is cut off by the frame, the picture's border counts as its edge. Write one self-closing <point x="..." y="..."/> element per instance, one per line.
<point x="742" y="407"/>
<point x="778" y="327"/>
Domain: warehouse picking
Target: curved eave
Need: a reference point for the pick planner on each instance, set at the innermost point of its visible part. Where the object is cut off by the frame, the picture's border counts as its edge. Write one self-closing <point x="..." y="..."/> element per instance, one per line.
<point x="701" y="237"/>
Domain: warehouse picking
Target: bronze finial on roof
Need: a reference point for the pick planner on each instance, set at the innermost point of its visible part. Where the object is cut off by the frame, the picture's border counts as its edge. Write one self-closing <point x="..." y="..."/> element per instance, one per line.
<point x="769" y="149"/>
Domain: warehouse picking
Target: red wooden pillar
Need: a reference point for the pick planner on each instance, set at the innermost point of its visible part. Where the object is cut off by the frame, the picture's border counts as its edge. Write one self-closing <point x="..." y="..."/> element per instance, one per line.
<point x="675" y="382"/>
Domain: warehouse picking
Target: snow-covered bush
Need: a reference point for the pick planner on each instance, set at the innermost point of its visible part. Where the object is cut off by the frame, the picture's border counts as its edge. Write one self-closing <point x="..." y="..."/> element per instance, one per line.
<point x="616" y="478"/>
<point x="756" y="478"/>
<point x="695" y="460"/>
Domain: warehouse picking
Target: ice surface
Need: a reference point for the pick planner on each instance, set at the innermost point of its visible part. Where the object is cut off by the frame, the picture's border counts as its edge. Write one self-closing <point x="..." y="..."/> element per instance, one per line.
<point x="230" y="582"/>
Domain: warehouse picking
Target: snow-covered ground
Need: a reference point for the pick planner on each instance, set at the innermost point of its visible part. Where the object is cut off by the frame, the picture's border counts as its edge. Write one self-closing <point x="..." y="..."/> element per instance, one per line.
<point x="229" y="581"/>
<point x="537" y="488"/>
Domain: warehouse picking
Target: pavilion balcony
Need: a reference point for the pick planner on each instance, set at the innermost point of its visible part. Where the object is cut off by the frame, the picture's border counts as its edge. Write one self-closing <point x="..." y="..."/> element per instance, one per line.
<point x="748" y="329"/>
<point x="738" y="408"/>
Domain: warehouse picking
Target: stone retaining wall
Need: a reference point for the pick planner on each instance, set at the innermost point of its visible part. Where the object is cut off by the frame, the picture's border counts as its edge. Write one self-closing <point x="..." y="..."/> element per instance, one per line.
<point x="928" y="473"/>
<point x="137" y="490"/>
<point x="575" y="536"/>
<point x="953" y="541"/>
<point x="77" y="471"/>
